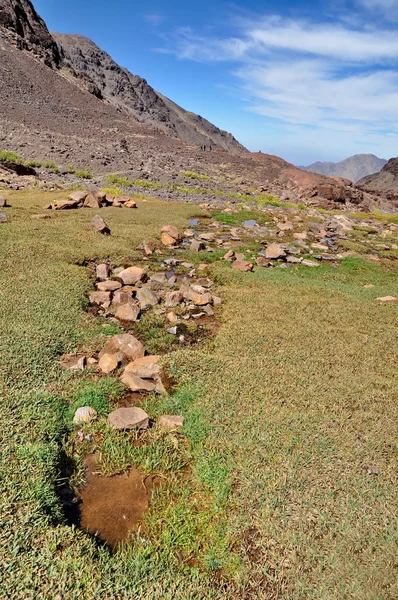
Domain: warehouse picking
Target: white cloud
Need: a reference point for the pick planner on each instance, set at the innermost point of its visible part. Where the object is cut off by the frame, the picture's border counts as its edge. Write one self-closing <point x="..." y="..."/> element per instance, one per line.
<point x="154" y="19"/>
<point x="320" y="81"/>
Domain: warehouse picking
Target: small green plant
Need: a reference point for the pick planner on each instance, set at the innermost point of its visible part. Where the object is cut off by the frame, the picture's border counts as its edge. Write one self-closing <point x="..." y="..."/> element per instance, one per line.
<point x="9" y="156"/>
<point x="193" y="175"/>
<point x="70" y="169"/>
<point x="49" y="165"/>
<point x="112" y="190"/>
<point x="36" y="164"/>
<point x="118" y="180"/>
<point x="82" y="174"/>
<point x="150" y="185"/>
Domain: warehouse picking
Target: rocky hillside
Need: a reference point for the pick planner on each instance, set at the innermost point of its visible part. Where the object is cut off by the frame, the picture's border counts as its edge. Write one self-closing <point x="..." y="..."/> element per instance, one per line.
<point x="352" y="168"/>
<point x="122" y="89"/>
<point x="384" y="183"/>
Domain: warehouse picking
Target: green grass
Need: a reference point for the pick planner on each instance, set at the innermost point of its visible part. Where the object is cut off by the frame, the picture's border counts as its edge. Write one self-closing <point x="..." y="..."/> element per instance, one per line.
<point x="70" y="169"/>
<point x="118" y="180"/>
<point x="84" y="174"/>
<point x="36" y="164"/>
<point x="193" y="175"/>
<point x="8" y="155"/>
<point x="289" y="426"/>
<point x="112" y="190"/>
<point x="237" y="218"/>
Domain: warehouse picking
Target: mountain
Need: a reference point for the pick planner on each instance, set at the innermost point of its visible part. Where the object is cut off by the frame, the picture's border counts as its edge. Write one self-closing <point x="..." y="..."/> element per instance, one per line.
<point x="105" y="78"/>
<point x="384" y="183"/>
<point x="64" y="100"/>
<point x="352" y="168"/>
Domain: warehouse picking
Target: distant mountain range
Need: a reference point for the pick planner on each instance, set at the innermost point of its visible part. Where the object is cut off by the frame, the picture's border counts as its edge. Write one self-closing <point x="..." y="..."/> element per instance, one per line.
<point x="353" y="168"/>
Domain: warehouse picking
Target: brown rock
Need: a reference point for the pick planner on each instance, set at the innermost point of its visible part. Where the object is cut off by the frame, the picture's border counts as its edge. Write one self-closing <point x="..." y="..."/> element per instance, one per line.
<point x="3" y="218"/>
<point x="287" y="226"/>
<point x="230" y="255"/>
<point x="196" y="297"/>
<point x="108" y="363"/>
<point x="137" y="384"/>
<point x="40" y="217"/>
<point x="261" y="261"/>
<point x="119" y="299"/>
<point x="132" y="275"/>
<point x="74" y="362"/>
<point x="294" y="260"/>
<point x="102" y="271"/>
<point x="300" y="235"/>
<point x="130" y="204"/>
<point x="146" y="367"/>
<point x="91" y="202"/>
<point x="242" y="265"/>
<point x="387" y="299"/>
<point x="146" y="298"/>
<point x="189" y="233"/>
<point x="169" y="235"/>
<point x="275" y="251"/>
<point x="99" y="225"/>
<point x="128" y="418"/>
<point x="65" y="204"/>
<point x="84" y="414"/>
<point x="171" y="422"/>
<point x="147" y="247"/>
<point x="216" y="300"/>
<point x="78" y="196"/>
<point x="309" y="263"/>
<point x="173" y="299"/>
<point x="196" y="246"/>
<point x="100" y="298"/>
<point x="3" y="202"/>
<point x="109" y="285"/>
<point x="125" y="346"/>
<point x="207" y="237"/>
<point x="128" y="312"/>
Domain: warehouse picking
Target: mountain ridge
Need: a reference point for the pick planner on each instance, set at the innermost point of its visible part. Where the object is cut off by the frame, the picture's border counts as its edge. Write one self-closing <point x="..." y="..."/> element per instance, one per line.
<point x="353" y="168"/>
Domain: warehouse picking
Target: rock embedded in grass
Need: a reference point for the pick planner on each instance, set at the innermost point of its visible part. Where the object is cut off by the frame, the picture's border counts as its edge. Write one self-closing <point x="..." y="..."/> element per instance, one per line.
<point x="196" y="246"/>
<point x="3" y="218"/>
<point x="146" y="298"/>
<point x="146" y="367"/>
<point x="103" y="271"/>
<point x="129" y="312"/>
<point x="108" y="363"/>
<point x="99" y="225"/>
<point x="109" y="285"/>
<point x="387" y="299"/>
<point x="242" y="265"/>
<point x="74" y="362"/>
<point x="275" y="251"/>
<point x="128" y="418"/>
<point x="169" y="235"/>
<point x="171" y="422"/>
<point x="132" y="275"/>
<point x="136" y="383"/>
<point x="100" y="298"/>
<point x="125" y="346"/>
<point x="84" y="414"/>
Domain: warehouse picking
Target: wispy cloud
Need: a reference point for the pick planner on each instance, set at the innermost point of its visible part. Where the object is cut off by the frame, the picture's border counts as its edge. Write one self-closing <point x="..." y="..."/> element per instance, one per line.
<point x="336" y="77"/>
<point x="154" y="19"/>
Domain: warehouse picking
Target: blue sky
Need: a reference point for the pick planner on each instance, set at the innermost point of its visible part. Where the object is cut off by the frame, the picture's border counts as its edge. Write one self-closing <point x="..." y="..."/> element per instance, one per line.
<point x="303" y="79"/>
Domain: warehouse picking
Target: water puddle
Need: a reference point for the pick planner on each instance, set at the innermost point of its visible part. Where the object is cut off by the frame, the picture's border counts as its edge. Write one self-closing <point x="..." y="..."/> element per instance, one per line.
<point x="249" y="223"/>
<point x="111" y="508"/>
<point x="194" y="222"/>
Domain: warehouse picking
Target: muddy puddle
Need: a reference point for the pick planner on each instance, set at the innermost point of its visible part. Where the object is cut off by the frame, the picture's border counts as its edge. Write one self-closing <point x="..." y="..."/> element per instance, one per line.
<point x="111" y="508"/>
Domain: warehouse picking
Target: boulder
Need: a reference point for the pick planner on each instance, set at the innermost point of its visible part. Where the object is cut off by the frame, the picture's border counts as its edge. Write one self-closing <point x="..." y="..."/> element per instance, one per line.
<point x="137" y="384"/>
<point x="130" y="204"/>
<point x="128" y="312"/>
<point x="108" y="363"/>
<point x="146" y="298"/>
<point x="196" y="246"/>
<point x="261" y="261"/>
<point x="275" y="251"/>
<point x="128" y="418"/>
<point x="78" y="196"/>
<point x="146" y="367"/>
<point x="132" y="275"/>
<point x="100" y="298"/>
<point x="99" y="225"/>
<point x="125" y="346"/>
<point x="171" y="422"/>
<point x="242" y="265"/>
<point x="173" y="299"/>
<point x="169" y="235"/>
<point x="103" y="271"/>
<point x="309" y="263"/>
<point x="74" y="362"/>
<point x="109" y="285"/>
<point x="85" y="414"/>
<point x="196" y="297"/>
<point x="230" y="255"/>
<point x="91" y="202"/>
<point x="65" y="204"/>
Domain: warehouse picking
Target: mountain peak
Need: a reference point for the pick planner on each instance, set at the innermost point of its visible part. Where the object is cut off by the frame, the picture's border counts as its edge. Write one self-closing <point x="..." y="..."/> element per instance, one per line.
<point x="353" y="168"/>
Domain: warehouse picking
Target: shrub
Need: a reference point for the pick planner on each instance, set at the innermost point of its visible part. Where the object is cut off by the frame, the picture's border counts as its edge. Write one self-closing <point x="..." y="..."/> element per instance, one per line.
<point x="36" y="164"/>
<point x="193" y="175"/>
<point x="112" y="191"/>
<point x="70" y="169"/>
<point x="84" y="174"/>
<point x="111" y="178"/>
<point x="8" y="155"/>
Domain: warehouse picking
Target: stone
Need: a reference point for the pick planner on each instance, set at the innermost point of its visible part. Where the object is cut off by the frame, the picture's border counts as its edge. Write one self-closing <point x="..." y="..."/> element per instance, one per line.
<point x="173" y="299"/>
<point x="147" y="247"/>
<point x="169" y="235"/>
<point x="3" y="218"/>
<point x="74" y="362"/>
<point x="172" y="317"/>
<point x="216" y="300"/>
<point x="287" y="226"/>
<point x="99" y="225"/>
<point x="317" y="246"/>
<point x="78" y="196"/>
<point x="242" y="265"/>
<point x="197" y="298"/>
<point x="85" y="414"/>
<point x="100" y="298"/>
<point x="121" y="297"/>
<point x="294" y="260"/>
<point x="40" y="217"/>
<point x="261" y="261"/>
<point x="207" y="237"/>
<point x="3" y="202"/>
<point x="130" y="204"/>
<point x="309" y="263"/>
<point x="196" y="246"/>
<point x="368" y="286"/>
<point x="146" y="367"/>
<point x="125" y="346"/>
<point x="109" y="285"/>
<point x="146" y="298"/>
<point x="275" y="251"/>
<point x="387" y="299"/>
<point x="128" y="312"/>
<point x="189" y="233"/>
<point x="171" y="422"/>
<point x="128" y="418"/>
<point x="240" y="256"/>
<point x="108" y="363"/>
<point x="230" y="255"/>
<point x="300" y="235"/>
<point x="91" y="202"/>
<point x="132" y="275"/>
<point x="103" y="271"/>
<point x="137" y="384"/>
<point x="158" y="278"/>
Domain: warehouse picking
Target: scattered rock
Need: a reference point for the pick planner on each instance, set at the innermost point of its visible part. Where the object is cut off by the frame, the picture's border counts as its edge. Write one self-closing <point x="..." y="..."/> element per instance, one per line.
<point x="78" y="196"/>
<point x="99" y="225"/>
<point x="100" y="298"/>
<point x="108" y="363"/>
<point x="147" y="247"/>
<point x="128" y="312"/>
<point x="275" y="251"/>
<point x="137" y="384"/>
<point x="196" y="246"/>
<point x="173" y="299"/>
<point x="196" y="297"/>
<point x="169" y="235"/>
<point x="74" y="362"/>
<point x="125" y="346"/>
<point x="171" y="422"/>
<point x="132" y="275"/>
<point x="130" y="204"/>
<point x="387" y="299"/>
<point x="294" y="260"/>
<point x="103" y="271"/>
<point x="146" y="367"/>
<point x="230" y="255"/>
<point x="109" y="285"/>
<point x="146" y="298"/>
<point x="85" y="414"/>
<point x="91" y="202"/>
<point x="261" y="261"/>
<point x="309" y="263"/>
<point x="3" y="218"/>
<point x="242" y="265"/>
<point x="128" y="418"/>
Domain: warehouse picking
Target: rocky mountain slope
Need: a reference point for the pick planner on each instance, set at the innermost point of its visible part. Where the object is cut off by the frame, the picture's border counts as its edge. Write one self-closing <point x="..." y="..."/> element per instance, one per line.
<point x="45" y="115"/>
<point x="384" y="183"/>
<point x="108" y="80"/>
<point x="353" y="168"/>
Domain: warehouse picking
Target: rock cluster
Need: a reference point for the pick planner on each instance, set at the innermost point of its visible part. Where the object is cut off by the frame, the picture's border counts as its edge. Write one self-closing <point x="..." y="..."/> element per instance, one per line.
<point x="80" y="199"/>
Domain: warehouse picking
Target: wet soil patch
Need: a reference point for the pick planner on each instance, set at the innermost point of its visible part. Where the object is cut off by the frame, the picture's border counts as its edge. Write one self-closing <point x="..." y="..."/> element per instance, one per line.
<point x="111" y="508"/>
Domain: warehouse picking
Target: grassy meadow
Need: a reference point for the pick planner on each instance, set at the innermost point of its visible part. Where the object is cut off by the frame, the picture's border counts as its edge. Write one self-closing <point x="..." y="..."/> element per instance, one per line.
<point x="283" y="484"/>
